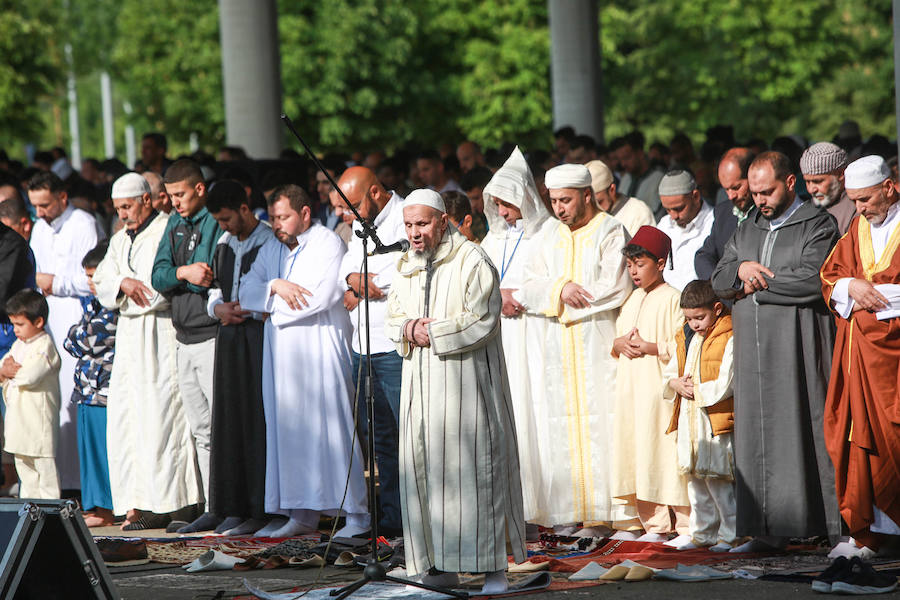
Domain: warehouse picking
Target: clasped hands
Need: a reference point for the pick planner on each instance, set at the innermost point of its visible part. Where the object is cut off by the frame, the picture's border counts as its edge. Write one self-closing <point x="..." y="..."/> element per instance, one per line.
<point x="9" y="368"/>
<point x="632" y="345"/>
<point x="416" y="332"/>
<point x="865" y="296"/>
<point x="683" y="385"/>
<point x="575" y="296"/>
<point x="753" y="275"/>
<point x="353" y="295"/>
<point x="291" y="293"/>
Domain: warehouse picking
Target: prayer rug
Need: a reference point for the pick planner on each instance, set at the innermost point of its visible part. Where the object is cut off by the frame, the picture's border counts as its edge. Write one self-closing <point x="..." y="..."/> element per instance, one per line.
<point x="657" y="556"/>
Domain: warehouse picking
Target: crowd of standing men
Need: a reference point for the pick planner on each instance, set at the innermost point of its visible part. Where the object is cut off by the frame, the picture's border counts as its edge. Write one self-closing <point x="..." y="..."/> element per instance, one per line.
<point x="616" y="346"/>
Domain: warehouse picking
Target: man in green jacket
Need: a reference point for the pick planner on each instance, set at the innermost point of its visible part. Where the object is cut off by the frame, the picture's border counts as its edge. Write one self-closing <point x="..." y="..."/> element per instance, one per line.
<point x="183" y="274"/>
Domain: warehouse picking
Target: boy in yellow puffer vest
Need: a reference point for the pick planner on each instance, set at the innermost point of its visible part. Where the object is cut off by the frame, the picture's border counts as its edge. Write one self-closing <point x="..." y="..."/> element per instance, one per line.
<point x="699" y="384"/>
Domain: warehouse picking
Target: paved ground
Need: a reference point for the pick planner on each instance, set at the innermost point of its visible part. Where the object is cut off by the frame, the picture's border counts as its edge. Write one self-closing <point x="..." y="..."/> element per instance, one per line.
<point x="176" y="584"/>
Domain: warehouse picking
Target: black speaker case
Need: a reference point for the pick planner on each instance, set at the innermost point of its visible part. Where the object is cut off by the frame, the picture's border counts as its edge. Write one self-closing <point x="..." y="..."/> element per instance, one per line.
<point x="37" y="519"/>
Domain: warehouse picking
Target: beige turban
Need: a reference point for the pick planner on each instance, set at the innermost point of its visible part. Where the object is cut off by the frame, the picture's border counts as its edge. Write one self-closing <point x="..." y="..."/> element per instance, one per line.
<point x="601" y="176"/>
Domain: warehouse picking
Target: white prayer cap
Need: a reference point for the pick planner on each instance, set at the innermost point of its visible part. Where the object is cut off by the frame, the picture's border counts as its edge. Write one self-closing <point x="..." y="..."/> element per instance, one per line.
<point x="866" y="172"/>
<point x="567" y="176"/>
<point x="601" y="176"/>
<point x="677" y="182"/>
<point x="425" y="197"/>
<point x="130" y="185"/>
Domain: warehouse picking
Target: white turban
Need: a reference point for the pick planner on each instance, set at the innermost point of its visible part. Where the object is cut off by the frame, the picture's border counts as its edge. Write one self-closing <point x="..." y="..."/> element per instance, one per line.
<point x="130" y="185"/>
<point x="567" y="176"/>
<point x="425" y="197"/>
<point x="866" y="172"/>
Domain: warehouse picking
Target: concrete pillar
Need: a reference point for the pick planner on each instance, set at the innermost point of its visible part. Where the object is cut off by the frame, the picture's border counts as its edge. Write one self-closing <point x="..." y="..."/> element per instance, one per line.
<point x="251" y="72"/>
<point x="109" y="126"/>
<point x="575" y="66"/>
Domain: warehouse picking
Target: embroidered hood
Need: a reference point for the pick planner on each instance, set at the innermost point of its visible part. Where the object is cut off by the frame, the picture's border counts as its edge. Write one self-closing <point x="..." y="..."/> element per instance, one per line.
<point x="514" y="183"/>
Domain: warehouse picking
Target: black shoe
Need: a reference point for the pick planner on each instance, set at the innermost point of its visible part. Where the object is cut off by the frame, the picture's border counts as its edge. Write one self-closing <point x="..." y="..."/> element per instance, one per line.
<point x="836" y="570"/>
<point x="860" y="578"/>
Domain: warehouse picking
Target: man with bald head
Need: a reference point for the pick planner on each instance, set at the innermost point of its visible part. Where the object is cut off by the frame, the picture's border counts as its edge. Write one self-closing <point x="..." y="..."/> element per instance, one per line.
<point x="727" y="215"/>
<point x="783" y="335"/>
<point x="384" y="210"/>
<point x="459" y="465"/>
<point x="859" y="280"/>
<point x="469" y="156"/>
<point x="822" y="166"/>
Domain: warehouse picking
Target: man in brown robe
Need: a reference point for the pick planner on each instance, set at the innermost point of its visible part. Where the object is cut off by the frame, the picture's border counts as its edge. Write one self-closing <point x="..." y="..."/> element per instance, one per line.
<point x="862" y="423"/>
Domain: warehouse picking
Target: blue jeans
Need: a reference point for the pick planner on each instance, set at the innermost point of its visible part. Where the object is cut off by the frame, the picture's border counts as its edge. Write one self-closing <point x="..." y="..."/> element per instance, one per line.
<point x="386" y="380"/>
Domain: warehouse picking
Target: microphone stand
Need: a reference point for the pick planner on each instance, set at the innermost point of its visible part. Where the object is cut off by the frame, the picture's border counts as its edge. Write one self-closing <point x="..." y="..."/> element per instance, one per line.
<point x="374" y="569"/>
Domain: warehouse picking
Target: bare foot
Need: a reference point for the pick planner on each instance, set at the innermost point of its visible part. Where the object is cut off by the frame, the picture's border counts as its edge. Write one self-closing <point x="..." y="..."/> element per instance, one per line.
<point x="96" y="520"/>
<point x="132" y="516"/>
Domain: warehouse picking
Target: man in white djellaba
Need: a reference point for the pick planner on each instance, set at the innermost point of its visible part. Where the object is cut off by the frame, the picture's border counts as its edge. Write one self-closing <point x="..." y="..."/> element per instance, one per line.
<point x="460" y="491"/>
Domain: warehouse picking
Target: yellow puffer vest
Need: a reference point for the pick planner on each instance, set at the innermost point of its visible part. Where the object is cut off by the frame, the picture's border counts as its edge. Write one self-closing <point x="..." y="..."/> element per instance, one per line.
<point x="721" y="415"/>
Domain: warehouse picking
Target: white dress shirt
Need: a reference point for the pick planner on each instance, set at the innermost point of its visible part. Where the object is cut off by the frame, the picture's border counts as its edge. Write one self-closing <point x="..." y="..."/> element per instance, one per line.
<point x="685" y="242"/>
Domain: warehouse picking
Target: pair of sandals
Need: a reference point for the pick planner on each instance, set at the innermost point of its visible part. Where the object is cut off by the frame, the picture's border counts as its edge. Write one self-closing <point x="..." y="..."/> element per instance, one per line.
<point x="278" y="561"/>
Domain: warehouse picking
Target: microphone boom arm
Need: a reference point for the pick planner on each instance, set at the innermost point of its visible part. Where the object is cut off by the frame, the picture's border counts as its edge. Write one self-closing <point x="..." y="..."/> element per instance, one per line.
<point x="367" y="230"/>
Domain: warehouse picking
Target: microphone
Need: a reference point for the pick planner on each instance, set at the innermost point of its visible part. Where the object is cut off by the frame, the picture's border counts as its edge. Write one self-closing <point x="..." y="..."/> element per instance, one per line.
<point x="401" y="246"/>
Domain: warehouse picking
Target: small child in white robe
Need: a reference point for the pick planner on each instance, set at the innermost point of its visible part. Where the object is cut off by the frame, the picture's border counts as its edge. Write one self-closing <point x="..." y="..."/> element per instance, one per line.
<point x="699" y="384"/>
<point x="30" y="377"/>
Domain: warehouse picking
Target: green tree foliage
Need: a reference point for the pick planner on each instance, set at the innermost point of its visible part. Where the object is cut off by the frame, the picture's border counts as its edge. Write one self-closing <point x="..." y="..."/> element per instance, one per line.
<point x="167" y="63"/>
<point x="364" y="74"/>
<point x="29" y="71"/>
<point x="769" y="68"/>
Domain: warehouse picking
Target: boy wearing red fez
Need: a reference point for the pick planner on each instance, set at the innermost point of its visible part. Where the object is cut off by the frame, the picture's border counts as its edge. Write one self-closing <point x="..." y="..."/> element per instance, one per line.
<point x="646" y="482"/>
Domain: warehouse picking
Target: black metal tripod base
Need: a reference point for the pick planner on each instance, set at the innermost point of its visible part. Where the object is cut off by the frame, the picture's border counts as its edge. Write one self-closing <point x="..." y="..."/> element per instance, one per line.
<point x="375" y="571"/>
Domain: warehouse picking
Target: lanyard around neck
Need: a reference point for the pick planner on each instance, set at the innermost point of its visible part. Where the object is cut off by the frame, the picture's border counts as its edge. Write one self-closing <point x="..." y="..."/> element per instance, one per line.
<point x="293" y="260"/>
<point x="504" y="264"/>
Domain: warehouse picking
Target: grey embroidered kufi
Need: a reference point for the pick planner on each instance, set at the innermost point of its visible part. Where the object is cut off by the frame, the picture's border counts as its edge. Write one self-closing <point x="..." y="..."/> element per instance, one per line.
<point x="677" y="182"/>
<point x="822" y="158"/>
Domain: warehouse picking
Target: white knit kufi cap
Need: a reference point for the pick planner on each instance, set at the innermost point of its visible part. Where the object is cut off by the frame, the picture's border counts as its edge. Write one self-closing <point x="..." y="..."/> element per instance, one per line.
<point x="601" y="176"/>
<point x="567" y="176"/>
<point x="866" y="172"/>
<point x="130" y="185"/>
<point x="425" y="197"/>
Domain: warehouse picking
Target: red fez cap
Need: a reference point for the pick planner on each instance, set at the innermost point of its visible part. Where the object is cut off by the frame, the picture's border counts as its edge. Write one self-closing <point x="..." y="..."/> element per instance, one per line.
<point x="653" y="241"/>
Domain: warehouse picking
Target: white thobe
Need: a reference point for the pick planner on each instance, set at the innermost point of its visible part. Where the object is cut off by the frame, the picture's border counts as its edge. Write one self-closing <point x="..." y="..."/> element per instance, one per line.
<point x="307" y="389"/>
<point x="152" y="462"/>
<point x="58" y="250"/>
<point x="685" y="242"/>
<point x="390" y="229"/>
<point x="523" y="335"/>
<point x="579" y="371"/>
<point x="700" y="453"/>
